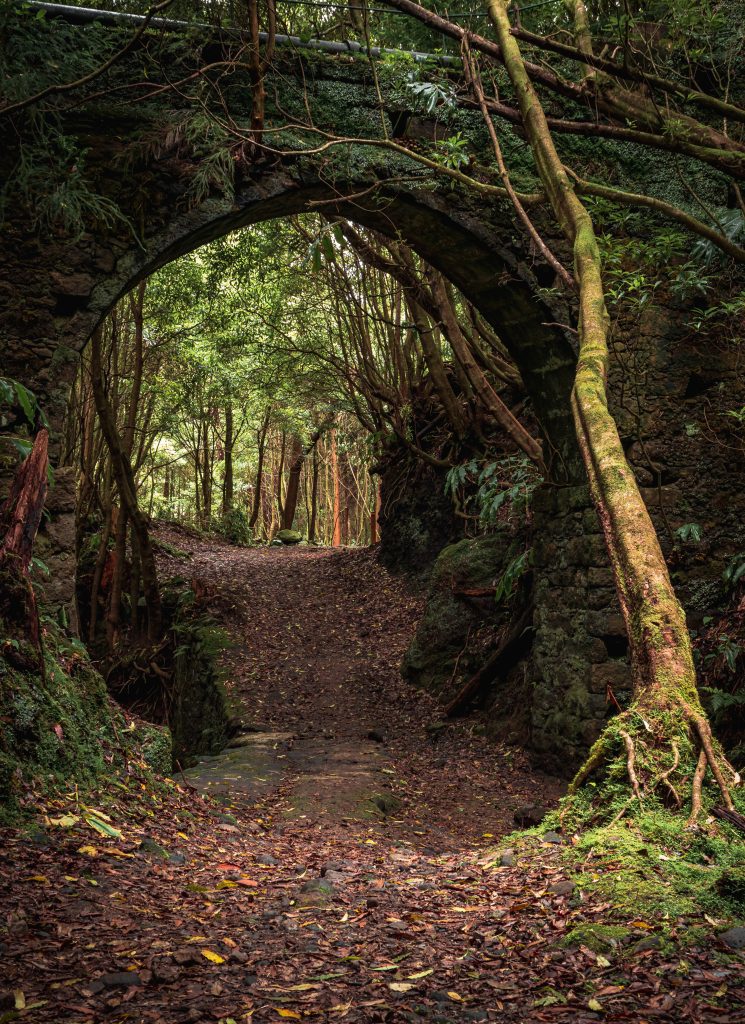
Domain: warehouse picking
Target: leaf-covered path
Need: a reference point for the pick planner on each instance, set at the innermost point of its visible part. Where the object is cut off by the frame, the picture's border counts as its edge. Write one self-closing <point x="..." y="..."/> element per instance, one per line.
<point x="319" y="637"/>
<point x="350" y="868"/>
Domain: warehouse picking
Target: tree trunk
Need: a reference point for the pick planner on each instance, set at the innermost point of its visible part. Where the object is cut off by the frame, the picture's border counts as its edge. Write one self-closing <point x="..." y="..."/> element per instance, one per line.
<point x="336" y="514"/>
<point x="260" y="469"/>
<point x="227" y="486"/>
<point x="375" y="516"/>
<point x="666" y="718"/>
<point x="297" y="458"/>
<point x="313" y="498"/>
<point x="124" y="476"/>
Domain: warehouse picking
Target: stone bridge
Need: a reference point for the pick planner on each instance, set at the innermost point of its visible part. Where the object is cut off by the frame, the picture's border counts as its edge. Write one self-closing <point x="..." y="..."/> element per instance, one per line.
<point x="141" y="147"/>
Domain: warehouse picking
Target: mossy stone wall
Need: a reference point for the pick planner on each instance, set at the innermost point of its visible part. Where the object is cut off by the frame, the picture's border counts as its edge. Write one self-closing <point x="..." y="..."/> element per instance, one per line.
<point x="580" y="646"/>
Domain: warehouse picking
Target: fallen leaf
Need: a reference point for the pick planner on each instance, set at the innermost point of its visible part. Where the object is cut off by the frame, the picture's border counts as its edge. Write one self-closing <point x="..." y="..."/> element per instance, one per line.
<point x="595" y="1005"/>
<point x="400" y="986"/>
<point x="102" y="827"/>
<point x="289" y="1013"/>
<point x="89" y="851"/>
<point x="66" y="821"/>
<point x="421" y="974"/>
<point x="214" y="958"/>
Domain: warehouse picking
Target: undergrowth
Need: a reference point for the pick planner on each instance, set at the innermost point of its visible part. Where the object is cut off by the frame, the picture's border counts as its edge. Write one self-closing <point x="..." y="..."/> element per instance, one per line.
<point x="59" y="728"/>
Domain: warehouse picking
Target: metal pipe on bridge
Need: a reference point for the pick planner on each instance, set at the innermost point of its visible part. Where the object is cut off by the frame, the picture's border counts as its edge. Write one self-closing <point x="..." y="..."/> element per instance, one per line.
<point x="86" y="15"/>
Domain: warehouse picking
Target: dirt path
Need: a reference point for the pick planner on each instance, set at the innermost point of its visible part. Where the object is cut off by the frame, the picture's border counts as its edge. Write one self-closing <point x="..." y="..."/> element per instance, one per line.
<point x="319" y="637"/>
<point x="349" y="870"/>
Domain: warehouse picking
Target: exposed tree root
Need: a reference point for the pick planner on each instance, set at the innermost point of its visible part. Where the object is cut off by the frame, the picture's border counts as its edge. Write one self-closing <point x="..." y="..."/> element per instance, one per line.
<point x="672" y="754"/>
<point x="698" y="781"/>
<point x="630" y="766"/>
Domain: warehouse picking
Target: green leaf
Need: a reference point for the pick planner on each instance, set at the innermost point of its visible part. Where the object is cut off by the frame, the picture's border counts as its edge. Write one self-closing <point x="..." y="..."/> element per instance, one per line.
<point x="102" y="827"/>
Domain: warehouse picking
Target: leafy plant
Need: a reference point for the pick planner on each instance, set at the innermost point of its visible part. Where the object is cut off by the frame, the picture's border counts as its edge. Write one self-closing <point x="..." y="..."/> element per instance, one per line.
<point x="735" y="571"/>
<point x="432" y="95"/>
<point x="507" y="482"/>
<point x="234" y="527"/>
<point x="453" y="152"/>
<point x="508" y="581"/>
<point x="689" y="532"/>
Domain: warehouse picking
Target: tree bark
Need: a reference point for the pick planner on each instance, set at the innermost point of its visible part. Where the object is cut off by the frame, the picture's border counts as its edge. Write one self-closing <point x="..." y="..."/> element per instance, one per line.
<point x="260" y="468"/>
<point x="20" y="516"/>
<point x="297" y="458"/>
<point x="313" y="498"/>
<point x="336" y="513"/>
<point x="227" y="487"/>
<point x="124" y="476"/>
<point x="664" y="678"/>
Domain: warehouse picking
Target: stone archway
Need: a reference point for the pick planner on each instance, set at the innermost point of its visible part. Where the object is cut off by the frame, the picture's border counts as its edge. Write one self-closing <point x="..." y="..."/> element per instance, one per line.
<point x="55" y="289"/>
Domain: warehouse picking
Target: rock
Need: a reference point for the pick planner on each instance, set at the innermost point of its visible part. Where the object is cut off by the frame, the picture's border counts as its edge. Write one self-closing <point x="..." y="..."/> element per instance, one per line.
<point x="185" y="956"/>
<point x="376" y="735"/>
<point x="120" y="979"/>
<point x="552" y="837"/>
<point x="267" y="859"/>
<point x="648" y="942"/>
<point x="507" y="859"/>
<point x="227" y="819"/>
<point x="435" y="728"/>
<point x="372" y="902"/>
<point x="38" y="837"/>
<point x="529" y="815"/>
<point x="734" y="938"/>
<point x="332" y="865"/>
<point x="164" y="971"/>
<point x="148" y="845"/>
<point x="386" y="803"/>
<point x="177" y="858"/>
<point x="440" y="652"/>
<point x="335" y="877"/>
<point x="562" y="888"/>
<point x="317" y="885"/>
<point x="731" y="886"/>
<point x="229" y="828"/>
<point x="289" y="536"/>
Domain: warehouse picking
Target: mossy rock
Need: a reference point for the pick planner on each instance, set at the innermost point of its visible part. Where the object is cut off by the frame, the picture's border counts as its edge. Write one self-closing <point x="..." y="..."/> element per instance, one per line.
<point x="54" y="727"/>
<point x="289" y="536"/>
<point x="731" y="887"/>
<point x="441" y="637"/>
<point x="600" y="938"/>
<point x="157" y="748"/>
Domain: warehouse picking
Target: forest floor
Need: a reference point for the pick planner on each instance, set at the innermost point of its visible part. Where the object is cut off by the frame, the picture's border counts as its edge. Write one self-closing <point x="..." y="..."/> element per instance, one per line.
<point x="340" y="862"/>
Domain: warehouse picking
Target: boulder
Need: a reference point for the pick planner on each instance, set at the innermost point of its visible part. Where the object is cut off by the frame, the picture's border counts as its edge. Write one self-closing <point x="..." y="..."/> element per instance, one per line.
<point x="458" y="603"/>
<point x="289" y="536"/>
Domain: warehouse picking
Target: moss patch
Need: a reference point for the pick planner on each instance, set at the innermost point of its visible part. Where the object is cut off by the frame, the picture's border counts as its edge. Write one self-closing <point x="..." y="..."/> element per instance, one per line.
<point x="598" y="937"/>
<point x="60" y="729"/>
<point x="444" y="650"/>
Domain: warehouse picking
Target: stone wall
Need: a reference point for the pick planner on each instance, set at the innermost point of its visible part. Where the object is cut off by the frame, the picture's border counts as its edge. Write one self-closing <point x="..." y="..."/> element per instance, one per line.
<point x="579" y="652"/>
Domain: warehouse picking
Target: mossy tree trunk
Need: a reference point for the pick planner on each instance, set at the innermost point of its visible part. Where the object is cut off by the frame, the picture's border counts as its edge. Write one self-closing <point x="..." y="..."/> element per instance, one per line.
<point x="665" y="732"/>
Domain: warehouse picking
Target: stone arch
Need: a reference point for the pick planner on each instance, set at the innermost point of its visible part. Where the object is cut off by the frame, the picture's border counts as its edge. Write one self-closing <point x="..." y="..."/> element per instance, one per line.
<point x="62" y="291"/>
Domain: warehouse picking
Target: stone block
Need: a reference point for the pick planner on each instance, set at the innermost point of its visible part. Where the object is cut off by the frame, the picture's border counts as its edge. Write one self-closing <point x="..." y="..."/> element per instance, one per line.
<point x="616" y="674"/>
<point x="599" y="577"/>
<point x="602" y="598"/>
<point x="572" y="499"/>
<point x="605" y="624"/>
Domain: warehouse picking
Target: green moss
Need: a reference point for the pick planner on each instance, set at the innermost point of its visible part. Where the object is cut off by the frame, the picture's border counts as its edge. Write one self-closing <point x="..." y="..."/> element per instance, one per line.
<point x="598" y="937"/>
<point x="157" y="748"/>
<point x="62" y="729"/>
<point x="654" y="868"/>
